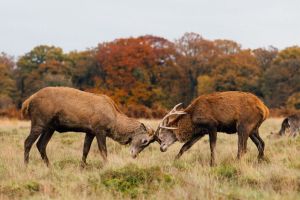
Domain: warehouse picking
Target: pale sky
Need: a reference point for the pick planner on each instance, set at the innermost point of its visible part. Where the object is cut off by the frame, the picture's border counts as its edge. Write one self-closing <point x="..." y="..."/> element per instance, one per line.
<point x="78" y="24"/>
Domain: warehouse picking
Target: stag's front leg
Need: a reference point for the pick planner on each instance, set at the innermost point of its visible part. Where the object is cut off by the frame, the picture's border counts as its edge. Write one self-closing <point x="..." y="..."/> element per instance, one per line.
<point x="212" y="143"/>
<point x="293" y="131"/>
<point x="188" y="145"/>
<point x="86" y="147"/>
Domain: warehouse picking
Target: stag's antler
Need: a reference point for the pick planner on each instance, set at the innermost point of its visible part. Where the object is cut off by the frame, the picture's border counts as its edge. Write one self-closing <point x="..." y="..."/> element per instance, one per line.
<point x="174" y="111"/>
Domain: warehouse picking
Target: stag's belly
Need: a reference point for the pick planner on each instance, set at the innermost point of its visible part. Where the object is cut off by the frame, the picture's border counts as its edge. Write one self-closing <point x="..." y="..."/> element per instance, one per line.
<point x="62" y="123"/>
<point x="227" y="128"/>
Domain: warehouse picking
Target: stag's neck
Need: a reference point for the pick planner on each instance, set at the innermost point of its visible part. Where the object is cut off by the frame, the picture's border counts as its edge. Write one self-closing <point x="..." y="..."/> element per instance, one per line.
<point x="124" y="129"/>
<point x="186" y="129"/>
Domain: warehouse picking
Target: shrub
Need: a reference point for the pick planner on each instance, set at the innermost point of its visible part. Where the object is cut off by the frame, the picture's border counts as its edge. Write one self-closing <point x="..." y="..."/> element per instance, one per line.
<point x="20" y="189"/>
<point x="133" y="181"/>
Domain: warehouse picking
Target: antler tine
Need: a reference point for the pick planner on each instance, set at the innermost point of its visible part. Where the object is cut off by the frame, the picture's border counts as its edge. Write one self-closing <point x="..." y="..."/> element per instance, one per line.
<point x="166" y="127"/>
<point x="174" y="111"/>
<point x="175" y="107"/>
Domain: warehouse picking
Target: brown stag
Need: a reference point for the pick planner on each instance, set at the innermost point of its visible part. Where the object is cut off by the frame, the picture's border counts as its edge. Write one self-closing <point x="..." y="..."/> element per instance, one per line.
<point x="65" y="109"/>
<point x="228" y="112"/>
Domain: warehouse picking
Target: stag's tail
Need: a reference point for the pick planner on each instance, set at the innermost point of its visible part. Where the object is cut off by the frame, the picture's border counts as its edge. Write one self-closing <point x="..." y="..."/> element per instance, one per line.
<point x="264" y="110"/>
<point x="26" y="106"/>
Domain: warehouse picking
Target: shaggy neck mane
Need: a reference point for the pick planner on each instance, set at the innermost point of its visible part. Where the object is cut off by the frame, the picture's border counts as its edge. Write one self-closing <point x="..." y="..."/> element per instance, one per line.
<point x="174" y="122"/>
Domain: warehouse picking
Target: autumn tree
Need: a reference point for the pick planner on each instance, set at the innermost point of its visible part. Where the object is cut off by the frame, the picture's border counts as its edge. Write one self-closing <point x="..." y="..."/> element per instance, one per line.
<point x="282" y="78"/>
<point x="238" y="71"/>
<point x="43" y="66"/>
<point x="83" y="66"/>
<point x="139" y="71"/>
<point x="195" y="55"/>
<point x="227" y="47"/>
<point x="265" y="56"/>
<point x="198" y="57"/>
<point x="8" y="92"/>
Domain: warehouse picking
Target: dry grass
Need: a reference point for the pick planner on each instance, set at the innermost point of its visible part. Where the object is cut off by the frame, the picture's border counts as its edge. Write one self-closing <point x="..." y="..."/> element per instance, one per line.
<point x="153" y="175"/>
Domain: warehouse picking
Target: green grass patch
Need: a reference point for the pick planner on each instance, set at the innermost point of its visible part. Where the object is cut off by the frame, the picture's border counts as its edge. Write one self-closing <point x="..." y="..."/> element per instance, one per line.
<point x="32" y="186"/>
<point x="180" y="165"/>
<point x="226" y="171"/>
<point x="133" y="181"/>
<point x="18" y="190"/>
<point x="68" y="162"/>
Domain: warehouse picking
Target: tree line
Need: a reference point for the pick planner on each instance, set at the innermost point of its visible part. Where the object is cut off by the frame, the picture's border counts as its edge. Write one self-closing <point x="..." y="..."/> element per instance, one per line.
<point x="148" y="74"/>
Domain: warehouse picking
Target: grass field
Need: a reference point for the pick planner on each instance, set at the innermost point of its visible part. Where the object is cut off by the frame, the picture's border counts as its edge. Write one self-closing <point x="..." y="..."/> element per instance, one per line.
<point x="153" y="175"/>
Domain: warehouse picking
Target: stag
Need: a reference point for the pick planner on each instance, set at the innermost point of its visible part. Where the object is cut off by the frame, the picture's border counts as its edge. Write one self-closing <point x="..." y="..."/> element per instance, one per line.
<point x="290" y="124"/>
<point x="228" y="112"/>
<point x="65" y="109"/>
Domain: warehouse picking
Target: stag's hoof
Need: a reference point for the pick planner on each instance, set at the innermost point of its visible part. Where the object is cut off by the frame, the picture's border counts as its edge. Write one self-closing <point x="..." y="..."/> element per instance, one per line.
<point x="83" y="164"/>
<point x="263" y="160"/>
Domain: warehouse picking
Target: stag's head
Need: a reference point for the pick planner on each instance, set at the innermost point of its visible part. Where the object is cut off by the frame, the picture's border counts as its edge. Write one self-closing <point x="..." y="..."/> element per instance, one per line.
<point x="142" y="138"/>
<point x="165" y="133"/>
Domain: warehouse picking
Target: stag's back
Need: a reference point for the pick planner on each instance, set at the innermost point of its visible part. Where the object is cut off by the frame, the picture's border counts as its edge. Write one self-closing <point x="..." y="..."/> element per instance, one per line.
<point x="228" y="107"/>
<point x="70" y="106"/>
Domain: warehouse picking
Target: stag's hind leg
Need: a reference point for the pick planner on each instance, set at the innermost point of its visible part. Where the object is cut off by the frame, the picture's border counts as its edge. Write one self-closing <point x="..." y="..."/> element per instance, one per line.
<point x="260" y="144"/>
<point x="42" y="144"/>
<point x="35" y="132"/>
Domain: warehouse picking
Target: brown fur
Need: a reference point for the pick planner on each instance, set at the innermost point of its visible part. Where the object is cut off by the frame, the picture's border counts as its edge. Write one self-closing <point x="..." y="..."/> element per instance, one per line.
<point x="227" y="112"/>
<point x="65" y="109"/>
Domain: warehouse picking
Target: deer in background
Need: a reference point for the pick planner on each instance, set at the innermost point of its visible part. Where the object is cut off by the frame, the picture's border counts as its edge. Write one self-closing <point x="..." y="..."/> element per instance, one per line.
<point x="291" y="124"/>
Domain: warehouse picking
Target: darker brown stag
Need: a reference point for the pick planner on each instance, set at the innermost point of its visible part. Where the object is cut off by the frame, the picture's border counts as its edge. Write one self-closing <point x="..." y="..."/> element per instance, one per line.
<point x="227" y="112"/>
<point x="65" y="109"/>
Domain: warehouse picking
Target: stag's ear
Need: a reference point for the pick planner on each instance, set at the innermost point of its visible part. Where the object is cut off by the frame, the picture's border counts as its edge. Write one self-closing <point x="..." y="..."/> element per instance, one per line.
<point x="144" y="127"/>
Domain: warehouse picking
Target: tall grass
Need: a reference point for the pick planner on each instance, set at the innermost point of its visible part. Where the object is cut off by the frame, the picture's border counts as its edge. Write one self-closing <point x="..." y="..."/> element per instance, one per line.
<point x="153" y="175"/>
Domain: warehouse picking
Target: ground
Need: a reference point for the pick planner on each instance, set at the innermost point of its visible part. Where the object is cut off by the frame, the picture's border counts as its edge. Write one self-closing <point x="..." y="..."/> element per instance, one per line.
<point x="153" y="175"/>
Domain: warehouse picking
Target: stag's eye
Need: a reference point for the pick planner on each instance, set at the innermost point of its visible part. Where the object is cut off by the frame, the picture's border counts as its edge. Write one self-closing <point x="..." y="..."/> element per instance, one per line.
<point x="144" y="141"/>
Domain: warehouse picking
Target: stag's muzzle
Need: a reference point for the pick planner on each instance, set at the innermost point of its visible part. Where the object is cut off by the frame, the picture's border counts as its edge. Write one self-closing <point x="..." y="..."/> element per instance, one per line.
<point x="163" y="147"/>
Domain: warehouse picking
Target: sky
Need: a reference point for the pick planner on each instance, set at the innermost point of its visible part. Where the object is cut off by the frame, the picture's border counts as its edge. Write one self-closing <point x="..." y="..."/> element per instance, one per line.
<point x="81" y="24"/>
